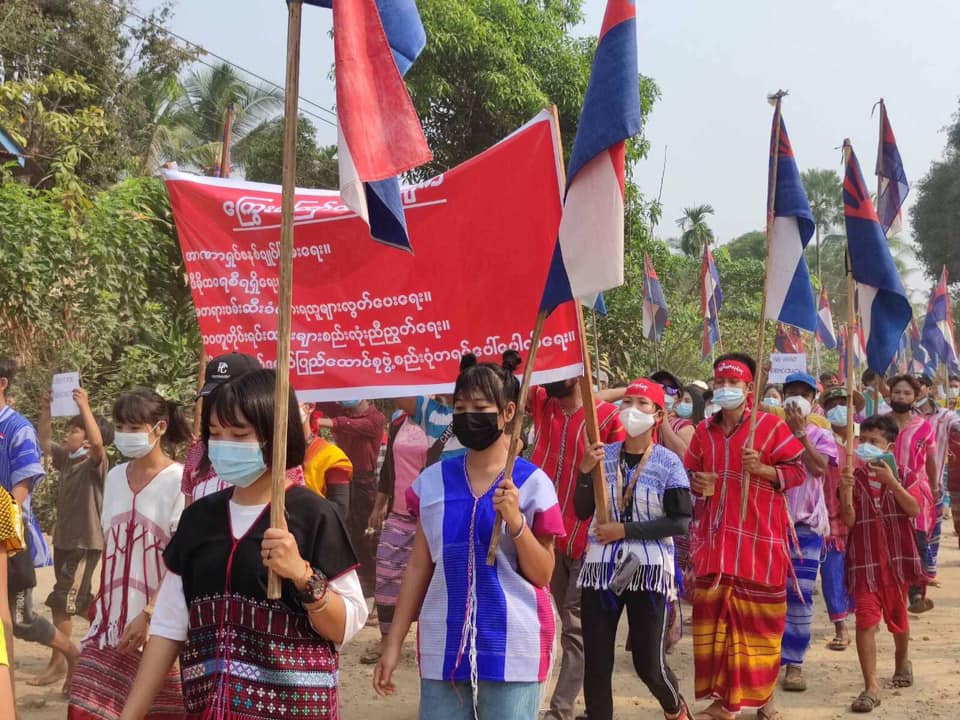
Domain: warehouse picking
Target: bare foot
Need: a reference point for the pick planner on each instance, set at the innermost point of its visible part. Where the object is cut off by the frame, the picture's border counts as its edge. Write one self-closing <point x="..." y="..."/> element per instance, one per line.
<point x="714" y="711"/>
<point x="53" y="673"/>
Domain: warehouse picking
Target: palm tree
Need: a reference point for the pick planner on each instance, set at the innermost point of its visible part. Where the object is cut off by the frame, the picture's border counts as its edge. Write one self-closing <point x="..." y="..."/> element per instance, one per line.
<point x="206" y="95"/>
<point x="695" y="231"/>
<point x="825" y="193"/>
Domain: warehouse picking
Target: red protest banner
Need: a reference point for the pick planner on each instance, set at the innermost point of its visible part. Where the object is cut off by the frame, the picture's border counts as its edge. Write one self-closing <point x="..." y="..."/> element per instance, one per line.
<point x="371" y="321"/>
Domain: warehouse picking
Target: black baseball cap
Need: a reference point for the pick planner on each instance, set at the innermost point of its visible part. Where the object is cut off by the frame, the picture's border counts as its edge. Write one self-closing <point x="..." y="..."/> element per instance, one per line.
<point x="224" y="368"/>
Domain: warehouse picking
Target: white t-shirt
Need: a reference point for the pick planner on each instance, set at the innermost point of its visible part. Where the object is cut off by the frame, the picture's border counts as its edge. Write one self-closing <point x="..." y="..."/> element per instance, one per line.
<point x="171" y="617"/>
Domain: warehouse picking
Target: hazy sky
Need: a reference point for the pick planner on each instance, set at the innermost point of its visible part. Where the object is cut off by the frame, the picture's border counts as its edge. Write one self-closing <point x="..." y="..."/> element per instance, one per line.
<point x="715" y="62"/>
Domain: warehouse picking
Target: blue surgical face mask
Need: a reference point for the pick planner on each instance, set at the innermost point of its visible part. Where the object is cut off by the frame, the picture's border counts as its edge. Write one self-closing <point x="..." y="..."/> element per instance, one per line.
<point x="669" y="401"/>
<point x="79" y="453"/>
<point x="237" y="463"/>
<point x="837" y="416"/>
<point x="684" y="410"/>
<point x="729" y="398"/>
<point x="771" y="401"/>
<point x="349" y="403"/>
<point x="869" y="453"/>
<point x="134" y="444"/>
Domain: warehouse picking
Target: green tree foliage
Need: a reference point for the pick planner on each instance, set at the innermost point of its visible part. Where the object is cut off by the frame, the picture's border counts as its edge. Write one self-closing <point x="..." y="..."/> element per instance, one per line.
<point x="936" y="213"/>
<point x="695" y="233"/>
<point x="751" y="245"/>
<point x="261" y="155"/>
<point x="490" y="65"/>
<point x="118" y="57"/>
<point x="825" y="193"/>
<point x="102" y="292"/>
<point x="202" y="108"/>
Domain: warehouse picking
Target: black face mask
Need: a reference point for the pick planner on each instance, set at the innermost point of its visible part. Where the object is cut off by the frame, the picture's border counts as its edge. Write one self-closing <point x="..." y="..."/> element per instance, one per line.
<point x="898" y="406"/>
<point x="560" y="389"/>
<point x="476" y="431"/>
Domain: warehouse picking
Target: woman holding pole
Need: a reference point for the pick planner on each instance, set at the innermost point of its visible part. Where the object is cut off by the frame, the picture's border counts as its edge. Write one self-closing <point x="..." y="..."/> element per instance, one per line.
<point x="629" y="564"/>
<point x="485" y="632"/>
<point x="237" y="648"/>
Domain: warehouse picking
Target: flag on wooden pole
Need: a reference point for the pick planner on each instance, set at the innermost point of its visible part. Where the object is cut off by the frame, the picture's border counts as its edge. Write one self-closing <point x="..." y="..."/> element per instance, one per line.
<point x="893" y="186"/>
<point x="379" y="132"/>
<point x="885" y="310"/>
<point x="588" y="258"/>
<point x="789" y="295"/>
<point x="655" y="316"/>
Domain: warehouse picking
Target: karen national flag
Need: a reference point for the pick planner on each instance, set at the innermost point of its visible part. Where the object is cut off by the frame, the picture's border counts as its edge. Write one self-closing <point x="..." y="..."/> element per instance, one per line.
<point x="884" y="307"/>
<point x="789" y="294"/>
<point x="654" y="302"/>
<point x="893" y="179"/>
<point x="825" y="334"/>
<point x="711" y="300"/>
<point x="379" y="135"/>
<point x="938" y="326"/>
<point x="588" y="258"/>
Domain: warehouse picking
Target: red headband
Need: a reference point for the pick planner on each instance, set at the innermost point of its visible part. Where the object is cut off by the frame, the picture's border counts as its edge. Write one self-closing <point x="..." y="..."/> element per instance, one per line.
<point x="733" y="370"/>
<point x="647" y="389"/>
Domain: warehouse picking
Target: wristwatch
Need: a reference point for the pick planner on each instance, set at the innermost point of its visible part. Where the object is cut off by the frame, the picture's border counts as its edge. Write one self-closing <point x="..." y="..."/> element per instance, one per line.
<point x="315" y="590"/>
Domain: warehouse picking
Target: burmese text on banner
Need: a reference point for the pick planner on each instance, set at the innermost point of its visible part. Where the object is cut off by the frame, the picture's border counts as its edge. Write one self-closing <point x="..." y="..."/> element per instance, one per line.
<point x="368" y="321"/>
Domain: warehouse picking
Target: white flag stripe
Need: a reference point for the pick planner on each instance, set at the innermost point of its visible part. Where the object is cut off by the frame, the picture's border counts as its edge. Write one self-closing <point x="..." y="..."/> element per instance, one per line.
<point x="351" y="188"/>
<point x="786" y="252"/>
<point x="591" y="232"/>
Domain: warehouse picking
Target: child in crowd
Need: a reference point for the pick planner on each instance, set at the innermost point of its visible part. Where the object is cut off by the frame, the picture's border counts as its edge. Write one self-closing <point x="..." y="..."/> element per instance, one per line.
<point x="245" y="656"/>
<point x="81" y="460"/>
<point x="142" y="503"/>
<point x="882" y="557"/>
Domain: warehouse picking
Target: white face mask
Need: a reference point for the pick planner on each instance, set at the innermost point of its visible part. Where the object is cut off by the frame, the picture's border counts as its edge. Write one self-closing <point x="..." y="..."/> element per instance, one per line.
<point x="953" y="392"/>
<point x="636" y="422"/>
<point x="801" y="402"/>
<point x="711" y="409"/>
<point x="134" y="445"/>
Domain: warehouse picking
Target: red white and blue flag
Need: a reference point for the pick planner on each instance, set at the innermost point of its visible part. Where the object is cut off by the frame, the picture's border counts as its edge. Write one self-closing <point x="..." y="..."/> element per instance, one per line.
<point x="789" y="294"/>
<point x="379" y="132"/>
<point x="884" y="307"/>
<point x="588" y="258"/>
<point x="920" y="358"/>
<point x="825" y="334"/>
<point x="711" y="300"/>
<point x="894" y="186"/>
<point x="655" y="316"/>
<point x="938" y="335"/>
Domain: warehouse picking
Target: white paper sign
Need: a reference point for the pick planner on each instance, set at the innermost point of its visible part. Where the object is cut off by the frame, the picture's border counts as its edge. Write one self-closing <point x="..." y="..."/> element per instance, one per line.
<point x="61" y="397"/>
<point x="784" y="364"/>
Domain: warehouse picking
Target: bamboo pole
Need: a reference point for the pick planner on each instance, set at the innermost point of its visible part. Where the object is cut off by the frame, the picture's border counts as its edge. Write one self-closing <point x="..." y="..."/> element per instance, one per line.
<point x="517" y="428"/>
<point x="592" y="427"/>
<point x="596" y="345"/>
<point x="282" y="389"/>
<point x="198" y="403"/>
<point x="759" y="380"/>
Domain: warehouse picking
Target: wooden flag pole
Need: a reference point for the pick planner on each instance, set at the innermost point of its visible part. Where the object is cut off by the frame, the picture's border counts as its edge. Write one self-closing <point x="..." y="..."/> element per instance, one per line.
<point x="596" y="345"/>
<point x="758" y="381"/>
<point x="224" y="172"/>
<point x="586" y="390"/>
<point x="592" y="426"/>
<point x="517" y="428"/>
<point x="282" y="389"/>
<point x="851" y="326"/>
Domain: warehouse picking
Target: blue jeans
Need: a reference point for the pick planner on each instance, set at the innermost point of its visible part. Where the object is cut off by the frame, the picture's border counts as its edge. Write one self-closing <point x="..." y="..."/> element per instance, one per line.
<point x="443" y="700"/>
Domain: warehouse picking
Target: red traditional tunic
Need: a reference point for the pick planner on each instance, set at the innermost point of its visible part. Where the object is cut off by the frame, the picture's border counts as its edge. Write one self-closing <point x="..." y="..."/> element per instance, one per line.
<point x="881" y="548"/>
<point x="558" y="445"/>
<point x="755" y="549"/>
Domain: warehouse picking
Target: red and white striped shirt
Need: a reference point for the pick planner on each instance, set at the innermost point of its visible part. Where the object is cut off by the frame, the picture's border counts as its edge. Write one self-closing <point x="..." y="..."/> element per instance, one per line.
<point x="755" y="548"/>
<point x="558" y="444"/>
